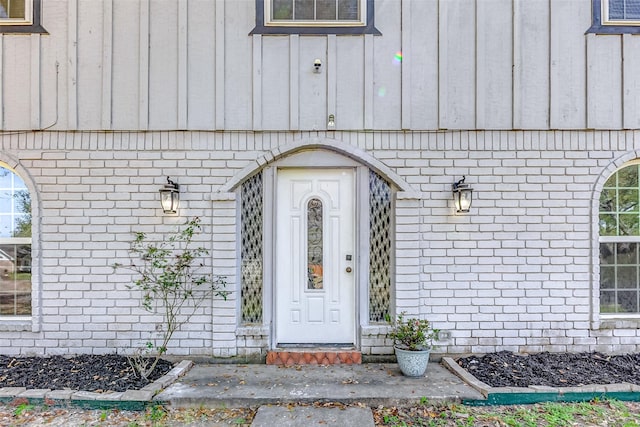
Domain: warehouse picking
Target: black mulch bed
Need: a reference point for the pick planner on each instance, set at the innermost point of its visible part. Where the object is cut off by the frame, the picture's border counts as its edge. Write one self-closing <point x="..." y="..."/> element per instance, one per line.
<point x="99" y="373"/>
<point x="505" y="369"/>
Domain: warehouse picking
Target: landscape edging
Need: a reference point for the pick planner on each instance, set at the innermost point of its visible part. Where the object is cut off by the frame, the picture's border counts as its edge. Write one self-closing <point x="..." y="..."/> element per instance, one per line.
<point x="539" y="394"/>
<point x="124" y="400"/>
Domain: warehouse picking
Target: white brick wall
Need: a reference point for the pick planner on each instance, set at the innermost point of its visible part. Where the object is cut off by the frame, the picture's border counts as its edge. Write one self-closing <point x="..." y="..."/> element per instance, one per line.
<point x="515" y="273"/>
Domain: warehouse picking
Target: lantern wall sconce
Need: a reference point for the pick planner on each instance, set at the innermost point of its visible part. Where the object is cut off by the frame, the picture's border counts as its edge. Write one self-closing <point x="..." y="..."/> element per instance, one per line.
<point x="462" y="196"/>
<point x="169" y="197"/>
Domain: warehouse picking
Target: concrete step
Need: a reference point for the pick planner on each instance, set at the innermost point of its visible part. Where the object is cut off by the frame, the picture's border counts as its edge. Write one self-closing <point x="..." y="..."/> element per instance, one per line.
<point x="290" y="357"/>
<point x="372" y="384"/>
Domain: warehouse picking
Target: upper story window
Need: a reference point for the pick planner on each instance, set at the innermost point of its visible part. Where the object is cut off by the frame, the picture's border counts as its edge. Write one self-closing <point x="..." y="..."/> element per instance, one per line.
<point x="14" y="12"/>
<point x="621" y="12"/>
<point x="315" y="12"/>
<point x="615" y="17"/>
<point x="20" y="16"/>
<point x="315" y="17"/>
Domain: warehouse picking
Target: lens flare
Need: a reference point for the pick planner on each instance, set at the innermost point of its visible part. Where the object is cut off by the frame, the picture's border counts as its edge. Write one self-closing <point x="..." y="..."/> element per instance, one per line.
<point x="398" y="57"/>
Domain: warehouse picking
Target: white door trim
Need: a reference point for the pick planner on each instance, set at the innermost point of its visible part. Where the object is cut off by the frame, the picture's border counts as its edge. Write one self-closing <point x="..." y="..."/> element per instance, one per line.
<point x="323" y="159"/>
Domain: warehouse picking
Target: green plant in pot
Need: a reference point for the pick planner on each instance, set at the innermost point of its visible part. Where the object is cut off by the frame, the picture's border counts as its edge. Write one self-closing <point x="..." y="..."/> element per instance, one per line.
<point x="412" y="340"/>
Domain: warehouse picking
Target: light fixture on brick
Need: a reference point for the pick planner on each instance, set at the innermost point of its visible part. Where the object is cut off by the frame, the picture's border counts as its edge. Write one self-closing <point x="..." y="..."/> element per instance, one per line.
<point x="169" y="197"/>
<point x="462" y="195"/>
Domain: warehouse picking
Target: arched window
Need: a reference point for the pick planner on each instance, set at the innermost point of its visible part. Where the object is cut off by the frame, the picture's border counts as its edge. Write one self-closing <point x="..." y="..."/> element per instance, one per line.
<point x="15" y="245"/>
<point x="315" y="247"/>
<point x="619" y="226"/>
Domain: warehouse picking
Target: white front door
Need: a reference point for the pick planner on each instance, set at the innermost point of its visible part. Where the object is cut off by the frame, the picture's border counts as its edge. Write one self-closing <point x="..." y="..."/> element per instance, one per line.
<point x="315" y="259"/>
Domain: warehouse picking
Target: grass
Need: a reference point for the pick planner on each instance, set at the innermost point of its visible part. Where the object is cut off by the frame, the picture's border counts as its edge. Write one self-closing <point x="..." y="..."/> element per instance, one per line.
<point x="594" y="413"/>
<point x="22" y="408"/>
<point x="611" y="413"/>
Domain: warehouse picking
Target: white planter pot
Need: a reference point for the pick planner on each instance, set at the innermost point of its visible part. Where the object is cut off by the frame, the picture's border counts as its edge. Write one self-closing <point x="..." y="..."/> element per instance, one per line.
<point x="412" y="363"/>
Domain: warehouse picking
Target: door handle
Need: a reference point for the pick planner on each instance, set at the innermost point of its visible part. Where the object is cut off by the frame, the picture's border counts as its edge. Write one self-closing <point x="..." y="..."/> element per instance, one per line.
<point x="348" y="269"/>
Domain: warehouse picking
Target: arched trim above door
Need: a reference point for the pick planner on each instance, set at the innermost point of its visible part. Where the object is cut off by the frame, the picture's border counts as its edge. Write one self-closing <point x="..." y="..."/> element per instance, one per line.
<point x="405" y="190"/>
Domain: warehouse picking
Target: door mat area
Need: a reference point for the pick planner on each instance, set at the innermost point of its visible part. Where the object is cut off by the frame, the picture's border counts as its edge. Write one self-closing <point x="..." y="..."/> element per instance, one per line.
<point x="314" y="357"/>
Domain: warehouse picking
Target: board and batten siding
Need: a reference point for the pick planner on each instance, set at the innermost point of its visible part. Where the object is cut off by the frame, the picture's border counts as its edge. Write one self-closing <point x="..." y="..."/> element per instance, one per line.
<point x="439" y="64"/>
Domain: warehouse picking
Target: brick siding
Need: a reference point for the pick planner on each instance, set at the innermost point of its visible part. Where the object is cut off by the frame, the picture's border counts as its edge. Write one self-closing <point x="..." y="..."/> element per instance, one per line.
<point x="516" y="273"/>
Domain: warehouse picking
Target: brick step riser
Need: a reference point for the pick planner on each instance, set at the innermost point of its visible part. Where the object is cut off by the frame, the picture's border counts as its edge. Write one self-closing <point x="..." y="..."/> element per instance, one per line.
<point x="289" y="358"/>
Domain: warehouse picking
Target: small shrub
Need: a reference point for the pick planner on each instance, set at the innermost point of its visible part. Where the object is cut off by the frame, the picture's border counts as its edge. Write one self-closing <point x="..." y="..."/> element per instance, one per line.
<point x="168" y="278"/>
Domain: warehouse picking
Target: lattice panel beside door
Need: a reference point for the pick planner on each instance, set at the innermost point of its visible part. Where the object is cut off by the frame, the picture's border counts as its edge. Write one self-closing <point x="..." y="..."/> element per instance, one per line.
<point x="251" y="233"/>
<point x="379" y="248"/>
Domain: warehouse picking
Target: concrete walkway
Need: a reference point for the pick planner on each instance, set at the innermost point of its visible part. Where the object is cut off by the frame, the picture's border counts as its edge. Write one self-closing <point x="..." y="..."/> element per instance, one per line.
<point x="371" y="384"/>
<point x="304" y="416"/>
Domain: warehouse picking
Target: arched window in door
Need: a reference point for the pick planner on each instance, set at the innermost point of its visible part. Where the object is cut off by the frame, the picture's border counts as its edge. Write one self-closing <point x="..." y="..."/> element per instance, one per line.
<point x="315" y="247"/>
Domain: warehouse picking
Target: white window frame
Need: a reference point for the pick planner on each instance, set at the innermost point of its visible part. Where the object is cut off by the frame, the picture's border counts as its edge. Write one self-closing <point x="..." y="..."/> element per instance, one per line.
<point x="361" y="22"/>
<point x="608" y="21"/>
<point x="30" y="322"/>
<point x="19" y="241"/>
<point x="28" y="12"/>
<point x="616" y="239"/>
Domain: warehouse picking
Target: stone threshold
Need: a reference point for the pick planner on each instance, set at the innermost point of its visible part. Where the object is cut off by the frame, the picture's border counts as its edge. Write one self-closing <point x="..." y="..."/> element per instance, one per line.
<point x="125" y="400"/>
<point x="291" y="357"/>
<point x="539" y="394"/>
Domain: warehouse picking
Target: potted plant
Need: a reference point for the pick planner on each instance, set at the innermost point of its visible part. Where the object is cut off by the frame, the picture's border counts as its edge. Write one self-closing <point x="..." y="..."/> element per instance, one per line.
<point x="412" y="340"/>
